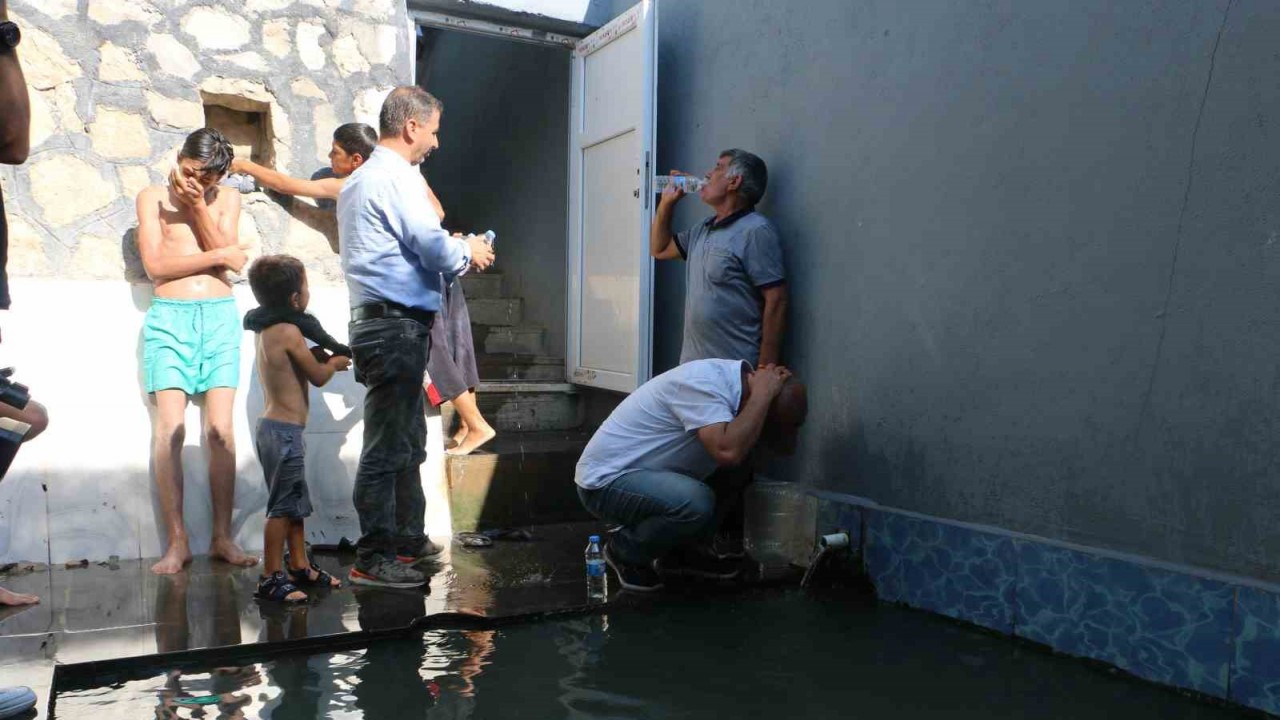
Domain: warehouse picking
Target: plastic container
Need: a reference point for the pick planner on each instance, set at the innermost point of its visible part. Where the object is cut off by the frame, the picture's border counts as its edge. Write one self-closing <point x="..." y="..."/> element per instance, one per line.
<point x="781" y="519"/>
<point x="687" y="183"/>
<point x="597" y="576"/>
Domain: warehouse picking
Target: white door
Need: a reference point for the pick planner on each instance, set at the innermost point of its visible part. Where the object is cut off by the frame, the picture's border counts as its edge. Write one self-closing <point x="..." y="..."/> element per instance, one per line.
<point x="612" y="121"/>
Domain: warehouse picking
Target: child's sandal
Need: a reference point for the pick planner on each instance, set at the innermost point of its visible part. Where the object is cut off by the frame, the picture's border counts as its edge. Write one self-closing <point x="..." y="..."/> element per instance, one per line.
<point x="322" y="578"/>
<point x="277" y="588"/>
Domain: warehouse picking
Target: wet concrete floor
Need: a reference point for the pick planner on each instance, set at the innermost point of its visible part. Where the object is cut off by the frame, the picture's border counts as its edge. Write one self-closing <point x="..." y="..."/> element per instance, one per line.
<point x="99" y="615"/>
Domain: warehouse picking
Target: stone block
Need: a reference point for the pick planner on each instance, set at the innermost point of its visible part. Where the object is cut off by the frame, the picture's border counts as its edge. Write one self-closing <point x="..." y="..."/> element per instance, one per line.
<point x="514" y="340"/>
<point x="216" y="29"/>
<point x="67" y="189"/>
<point x="307" y="37"/>
<point x="114" y="12"/>
<point x="312" y="236"/>
<point x="275" y="38"/>
<point x="64" y="104"/>
<point x="44" y="124"/>
<point x="248" y="60"/>
<point x="482" y="285"/>
<point x="527" y="406"/>
<point x="325" y="123"/>
<point x="172" y="56"/>
<point x="97" y="258"/>
<point x="368" y="104"/>
<point x="305" y="87"/>
<point x="494" y="311"/>
<point x="175" y="113"/>
<point x="44" y="63"/>
<point x="117" y="64"/>
<point x="346" y="55"/>
<point x="375" y="8"/>
<point x="133" y="180"/>
<point x="377" y="43"/>
<point x="119" y="135"/>
<point x="27" y="257"/>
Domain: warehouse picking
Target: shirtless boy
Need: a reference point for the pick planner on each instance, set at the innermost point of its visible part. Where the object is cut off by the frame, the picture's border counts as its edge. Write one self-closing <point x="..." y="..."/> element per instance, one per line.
<point x="188" y="240"/>
<point x="286" y="366"/>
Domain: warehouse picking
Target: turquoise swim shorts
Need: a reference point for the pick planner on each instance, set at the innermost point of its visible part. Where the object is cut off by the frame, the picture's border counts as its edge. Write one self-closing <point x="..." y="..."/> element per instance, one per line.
<point x="191" y="345"/>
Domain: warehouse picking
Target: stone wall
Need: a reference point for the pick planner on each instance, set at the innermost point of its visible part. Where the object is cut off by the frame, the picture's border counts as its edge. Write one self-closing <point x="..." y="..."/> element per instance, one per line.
<point x="117" y="84"/>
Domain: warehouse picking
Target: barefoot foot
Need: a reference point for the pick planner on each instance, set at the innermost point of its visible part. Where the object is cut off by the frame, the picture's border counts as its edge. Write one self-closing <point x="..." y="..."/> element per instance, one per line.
<point x="8" y="597"/>
<point x="227" y="551"/>
<point x="175" y="558"/>
<point x="475" y="438"/>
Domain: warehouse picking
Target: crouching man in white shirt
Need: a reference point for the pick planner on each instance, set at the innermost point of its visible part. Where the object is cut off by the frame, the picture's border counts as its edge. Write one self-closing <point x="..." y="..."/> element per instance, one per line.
<point x="645" y="467"/>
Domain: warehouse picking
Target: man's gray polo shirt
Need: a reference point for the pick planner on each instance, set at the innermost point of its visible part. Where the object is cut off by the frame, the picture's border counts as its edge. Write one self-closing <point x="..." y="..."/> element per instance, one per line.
<point x="729" y="263"/>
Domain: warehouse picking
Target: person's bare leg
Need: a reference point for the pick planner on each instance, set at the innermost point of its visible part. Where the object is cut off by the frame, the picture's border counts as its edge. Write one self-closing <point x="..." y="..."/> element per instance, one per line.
<point x="299" y="561"/>
<point x="479" y="431"/>
<point x="460" y="434"/>
<point x="221" y="446"/>
<point x="166" y="453"/>
<point x="277" y="531"/>
<point x="8" y="597"/>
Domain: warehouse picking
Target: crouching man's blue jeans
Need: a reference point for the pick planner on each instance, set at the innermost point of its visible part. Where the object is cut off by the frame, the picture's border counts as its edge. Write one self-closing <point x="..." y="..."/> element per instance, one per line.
<point x="659" y="511"/>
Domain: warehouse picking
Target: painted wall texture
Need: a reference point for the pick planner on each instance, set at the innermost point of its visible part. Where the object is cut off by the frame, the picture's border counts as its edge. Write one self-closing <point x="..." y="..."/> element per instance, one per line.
<point x="116" y="86"/>
<point x="1033" y="248"/>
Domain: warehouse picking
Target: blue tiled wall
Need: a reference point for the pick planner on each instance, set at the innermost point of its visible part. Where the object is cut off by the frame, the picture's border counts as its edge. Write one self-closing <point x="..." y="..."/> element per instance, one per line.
<point x="1172" y="625"/>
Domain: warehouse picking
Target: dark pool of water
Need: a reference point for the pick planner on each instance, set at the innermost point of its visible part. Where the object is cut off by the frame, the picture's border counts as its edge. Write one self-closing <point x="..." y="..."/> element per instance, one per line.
<point x="768" y="654"/>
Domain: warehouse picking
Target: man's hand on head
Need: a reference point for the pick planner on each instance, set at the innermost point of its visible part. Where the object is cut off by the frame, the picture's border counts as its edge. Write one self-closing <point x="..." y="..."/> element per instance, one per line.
<point x="481" y="253"/>
<point x="767" y="381"/>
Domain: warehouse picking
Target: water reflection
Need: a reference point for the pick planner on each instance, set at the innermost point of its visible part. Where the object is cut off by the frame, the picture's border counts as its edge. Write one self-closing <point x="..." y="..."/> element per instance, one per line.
<point x="758" y="656"/>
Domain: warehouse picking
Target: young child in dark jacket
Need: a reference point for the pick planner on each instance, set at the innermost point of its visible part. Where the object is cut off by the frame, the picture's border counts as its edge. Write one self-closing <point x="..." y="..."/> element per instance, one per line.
<point x="286" y="365"/>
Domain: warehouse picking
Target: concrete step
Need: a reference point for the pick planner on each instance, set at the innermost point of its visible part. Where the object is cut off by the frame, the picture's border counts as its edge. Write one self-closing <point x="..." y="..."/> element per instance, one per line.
<point x="520" y="367"/>
<point x="523" y="406"/>
<point x="495" y="311"/>
<point x="510" y="340"/>
<point x="517" y="480"/>
<point x="483" y="285"/>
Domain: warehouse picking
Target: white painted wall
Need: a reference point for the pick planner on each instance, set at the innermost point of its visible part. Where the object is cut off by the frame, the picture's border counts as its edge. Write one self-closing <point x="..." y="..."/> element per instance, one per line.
<point x="84" y="488"/>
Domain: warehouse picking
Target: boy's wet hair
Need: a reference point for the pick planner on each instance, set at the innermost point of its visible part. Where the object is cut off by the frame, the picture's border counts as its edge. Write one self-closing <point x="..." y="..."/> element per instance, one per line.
<point x="211" y="148"/>
<point x="356" y="139"/>
<point x="275" y="278"/>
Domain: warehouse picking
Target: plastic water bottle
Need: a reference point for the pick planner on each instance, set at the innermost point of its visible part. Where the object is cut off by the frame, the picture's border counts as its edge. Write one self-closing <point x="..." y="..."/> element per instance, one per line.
<point x="597" y="577"/>
<point x="491" y="238"/>
<point x="687" y="183"/>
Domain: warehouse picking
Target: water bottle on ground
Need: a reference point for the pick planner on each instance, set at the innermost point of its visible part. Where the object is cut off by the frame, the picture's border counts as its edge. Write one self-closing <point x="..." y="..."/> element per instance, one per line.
<point x="597" y="577"/>
<point x="687" y="183"/>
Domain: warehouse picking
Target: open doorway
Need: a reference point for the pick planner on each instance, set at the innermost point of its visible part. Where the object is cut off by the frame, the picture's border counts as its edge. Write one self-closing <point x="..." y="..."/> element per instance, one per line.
<point x="503" y="166"/>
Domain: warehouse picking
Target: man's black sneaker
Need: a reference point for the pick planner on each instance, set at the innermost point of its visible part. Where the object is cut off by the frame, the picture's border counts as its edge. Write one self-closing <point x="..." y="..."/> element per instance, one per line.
<point x="384" y="572"/>
<point x="639" y="578"/>
<point x="699" y="561"/>
<point x="424" y="551"/>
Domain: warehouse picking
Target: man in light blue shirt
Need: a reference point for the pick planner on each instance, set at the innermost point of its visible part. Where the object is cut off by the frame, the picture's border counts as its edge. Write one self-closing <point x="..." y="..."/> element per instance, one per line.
<point x="393" y="253"/>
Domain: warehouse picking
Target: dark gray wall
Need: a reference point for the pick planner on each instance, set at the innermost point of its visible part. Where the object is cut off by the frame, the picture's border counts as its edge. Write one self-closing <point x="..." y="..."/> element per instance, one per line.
<point x="503" y="160"/>
<point x="1033" y="247"/>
